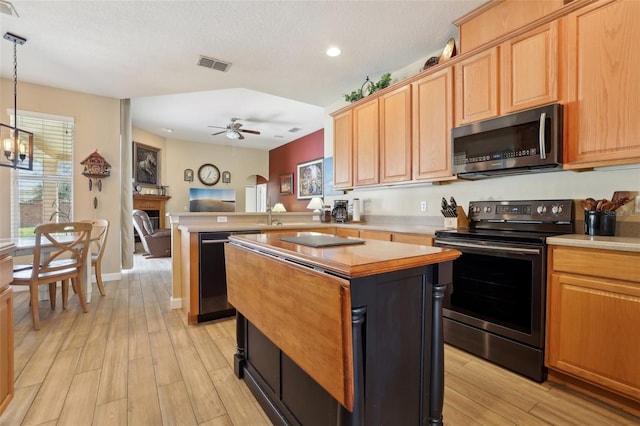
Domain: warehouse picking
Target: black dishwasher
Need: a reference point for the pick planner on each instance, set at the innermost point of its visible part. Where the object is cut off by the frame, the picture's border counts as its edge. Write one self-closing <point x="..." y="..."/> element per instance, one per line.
<point x="213" y="276"/>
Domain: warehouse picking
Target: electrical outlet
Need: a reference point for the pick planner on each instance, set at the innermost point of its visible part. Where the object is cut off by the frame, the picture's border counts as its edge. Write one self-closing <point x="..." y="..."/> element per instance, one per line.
<point x="423" y="206"/>
<point x="222" y="219"/>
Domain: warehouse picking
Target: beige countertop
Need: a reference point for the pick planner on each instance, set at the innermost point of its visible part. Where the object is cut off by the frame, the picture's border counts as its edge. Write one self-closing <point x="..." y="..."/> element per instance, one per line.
<point x="409" y="229"/>
<point x="596" y="242"/>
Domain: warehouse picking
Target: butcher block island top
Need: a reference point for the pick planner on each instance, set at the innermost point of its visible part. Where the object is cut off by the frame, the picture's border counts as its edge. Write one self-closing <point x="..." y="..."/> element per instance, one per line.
<point x="339" y="331"/>
<point x="350" y="260"/>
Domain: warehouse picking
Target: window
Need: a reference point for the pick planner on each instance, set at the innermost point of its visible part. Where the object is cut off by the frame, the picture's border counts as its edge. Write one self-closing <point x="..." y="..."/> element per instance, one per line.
<point x="44" y="194"/>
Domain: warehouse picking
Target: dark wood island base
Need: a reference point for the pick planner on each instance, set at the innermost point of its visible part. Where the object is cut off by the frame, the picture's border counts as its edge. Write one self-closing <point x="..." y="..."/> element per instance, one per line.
<point x="323" y="346"/>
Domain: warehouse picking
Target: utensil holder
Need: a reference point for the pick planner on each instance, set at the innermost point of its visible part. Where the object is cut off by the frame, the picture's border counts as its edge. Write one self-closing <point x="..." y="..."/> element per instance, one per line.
<point x="600" y="223"/>
<point x="460" y="221"/>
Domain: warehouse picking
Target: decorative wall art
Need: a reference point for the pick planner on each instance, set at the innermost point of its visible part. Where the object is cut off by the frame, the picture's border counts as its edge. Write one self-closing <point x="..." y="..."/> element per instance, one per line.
<point x="188" y="175"/>
<point x="310" y="179"/>
<point x="226" y="177"/>
<point x="146" y="165"/>
<point x="286" y="183"/>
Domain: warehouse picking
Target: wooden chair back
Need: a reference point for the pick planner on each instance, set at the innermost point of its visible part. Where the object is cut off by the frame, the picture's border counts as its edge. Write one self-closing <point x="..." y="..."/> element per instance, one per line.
<point x="69" y="242"/>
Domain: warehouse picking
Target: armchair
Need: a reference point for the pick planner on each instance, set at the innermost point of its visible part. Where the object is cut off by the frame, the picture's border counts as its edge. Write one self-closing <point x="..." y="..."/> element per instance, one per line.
<point x="156" y="244"/>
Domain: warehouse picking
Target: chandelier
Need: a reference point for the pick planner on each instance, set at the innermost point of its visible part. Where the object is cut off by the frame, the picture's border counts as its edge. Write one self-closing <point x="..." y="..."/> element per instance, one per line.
<point x="17" y="144"/>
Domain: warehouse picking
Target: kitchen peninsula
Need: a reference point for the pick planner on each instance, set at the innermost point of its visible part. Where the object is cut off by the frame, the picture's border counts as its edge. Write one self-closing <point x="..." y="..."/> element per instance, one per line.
<point x="335" y="330"/>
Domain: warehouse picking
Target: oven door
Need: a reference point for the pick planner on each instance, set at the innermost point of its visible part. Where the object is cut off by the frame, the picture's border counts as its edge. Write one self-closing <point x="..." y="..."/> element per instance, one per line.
<point x="498" y="287"/>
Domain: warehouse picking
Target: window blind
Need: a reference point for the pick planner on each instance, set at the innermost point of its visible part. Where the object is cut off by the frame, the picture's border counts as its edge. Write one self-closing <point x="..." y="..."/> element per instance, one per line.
<point x="44" y="194"/>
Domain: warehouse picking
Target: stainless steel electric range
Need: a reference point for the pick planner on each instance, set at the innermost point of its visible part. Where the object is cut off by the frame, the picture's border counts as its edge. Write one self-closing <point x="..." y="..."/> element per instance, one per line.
<point x="495" y="305"/>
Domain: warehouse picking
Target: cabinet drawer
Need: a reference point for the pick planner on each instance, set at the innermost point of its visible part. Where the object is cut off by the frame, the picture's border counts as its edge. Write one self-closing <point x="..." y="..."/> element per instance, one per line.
<point x="6" y="272"/>
<point x="375" y="235"/>
<point x="345" y="232"/>
<point x="423" y="240"/>
<point x="601" y="263"/>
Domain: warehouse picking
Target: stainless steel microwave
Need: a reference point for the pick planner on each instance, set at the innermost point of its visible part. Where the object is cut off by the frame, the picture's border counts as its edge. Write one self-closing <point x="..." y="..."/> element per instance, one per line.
<point x="522" y="142"/>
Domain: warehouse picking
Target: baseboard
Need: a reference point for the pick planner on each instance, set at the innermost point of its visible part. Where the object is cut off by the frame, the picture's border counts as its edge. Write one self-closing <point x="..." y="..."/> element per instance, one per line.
<point x="175" y="303"/>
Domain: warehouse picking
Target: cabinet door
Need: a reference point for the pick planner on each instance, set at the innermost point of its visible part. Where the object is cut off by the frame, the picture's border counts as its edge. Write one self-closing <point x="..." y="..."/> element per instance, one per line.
<point x="395" y="135"/>
<point x="432" y="122"/>
<point x="366" y="144"/>
<point x="342" y="150"/>
<point x="6" y="347"/>
<point x="603" y="99"/>
<point x="591" y="324"/>
<point x="423" y="240"/>
<point x="477" y="87"/>
<point x="530" y="69"/>
<point x="347" y="232"/>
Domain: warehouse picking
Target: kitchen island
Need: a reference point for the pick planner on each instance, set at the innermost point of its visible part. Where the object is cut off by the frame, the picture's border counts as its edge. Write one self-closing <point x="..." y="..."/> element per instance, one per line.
<point x="347" y="334"/>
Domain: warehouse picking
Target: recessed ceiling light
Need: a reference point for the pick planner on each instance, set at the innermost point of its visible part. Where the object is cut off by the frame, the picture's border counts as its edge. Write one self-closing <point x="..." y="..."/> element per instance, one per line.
<point x="333" y="51"/>
<point x="168" y="130"/>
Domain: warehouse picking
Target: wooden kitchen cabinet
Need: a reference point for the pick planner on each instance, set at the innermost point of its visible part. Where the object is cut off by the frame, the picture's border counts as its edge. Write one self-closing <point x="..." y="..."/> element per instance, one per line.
<point x="375" y="235"/>
<point x="347" y="232"/>
<point x="343" y="150"/>
<point x="395" y="135"/>
<point x="529" y="65"/>
<point x="421" y="239"/>
<point x="603" y="88"/>
<point x="366" y="143"/>
<point x="432" y="122"/>
<point x="6" y="332"/>
<point x="477" y="87"/>
<point x="593" y="312"/>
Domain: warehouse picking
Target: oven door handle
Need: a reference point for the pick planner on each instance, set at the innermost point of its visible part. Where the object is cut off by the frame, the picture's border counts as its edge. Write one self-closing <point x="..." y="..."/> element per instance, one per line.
<point x="515" y="250"/>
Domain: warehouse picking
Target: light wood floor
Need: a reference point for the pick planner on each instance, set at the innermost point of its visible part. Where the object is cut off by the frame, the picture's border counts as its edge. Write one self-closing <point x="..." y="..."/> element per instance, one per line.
<point x="132" y="361"/>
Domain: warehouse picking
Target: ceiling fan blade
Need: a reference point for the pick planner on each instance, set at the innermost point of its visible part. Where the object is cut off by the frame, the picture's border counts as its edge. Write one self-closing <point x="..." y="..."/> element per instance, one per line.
<point x="217" y="127"/>
<point x="253" y="132"/>
<point x="219" y="133"/>
<point x="240" y="136"/>
<point x="235" y="125"/>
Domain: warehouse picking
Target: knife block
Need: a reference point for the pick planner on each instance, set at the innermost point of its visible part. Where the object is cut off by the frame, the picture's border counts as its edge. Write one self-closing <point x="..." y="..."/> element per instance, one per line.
<point x="460" y="221"/>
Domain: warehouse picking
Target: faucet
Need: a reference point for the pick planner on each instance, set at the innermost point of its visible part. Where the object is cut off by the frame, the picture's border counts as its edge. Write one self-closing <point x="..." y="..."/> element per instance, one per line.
<point x="269" y="222"/>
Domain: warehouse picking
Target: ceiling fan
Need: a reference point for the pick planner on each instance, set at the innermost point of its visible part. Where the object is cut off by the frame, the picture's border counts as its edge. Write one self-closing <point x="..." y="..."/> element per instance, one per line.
<point x="233" y="130"/>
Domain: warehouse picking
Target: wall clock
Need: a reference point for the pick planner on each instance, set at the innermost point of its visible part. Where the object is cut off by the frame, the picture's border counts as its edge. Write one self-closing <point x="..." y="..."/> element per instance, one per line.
<point x="208" y="174"/>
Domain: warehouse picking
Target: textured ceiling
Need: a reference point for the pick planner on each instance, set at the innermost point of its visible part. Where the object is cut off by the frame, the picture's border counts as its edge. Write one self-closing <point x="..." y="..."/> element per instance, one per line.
<point x="280" y="76"/>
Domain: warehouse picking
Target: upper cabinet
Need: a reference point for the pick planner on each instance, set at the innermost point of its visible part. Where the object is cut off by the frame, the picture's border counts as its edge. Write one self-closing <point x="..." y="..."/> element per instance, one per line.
<point x="530" y="69"/>
<point x="477" y="87"/>
<point x="395" y="135"/>
<point x="366" y="134"/>
<point x="603" y="88"/>
<point x="520" y="73"/>
<point x="343" y="150"/>
<point x="432" y="123"/>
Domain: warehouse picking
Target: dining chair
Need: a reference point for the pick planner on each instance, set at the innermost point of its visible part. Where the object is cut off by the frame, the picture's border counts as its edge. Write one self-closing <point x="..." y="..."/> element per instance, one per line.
<point x="69" y="242"/>
<point x="99" y="232"/>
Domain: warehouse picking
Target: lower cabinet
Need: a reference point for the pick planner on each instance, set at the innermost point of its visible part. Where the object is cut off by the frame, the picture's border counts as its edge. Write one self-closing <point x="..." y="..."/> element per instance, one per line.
<point x="593" y="313"/>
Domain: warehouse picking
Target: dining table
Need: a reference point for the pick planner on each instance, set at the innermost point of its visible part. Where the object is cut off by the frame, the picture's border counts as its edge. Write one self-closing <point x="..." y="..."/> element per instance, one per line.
<point x="25" y="246"/>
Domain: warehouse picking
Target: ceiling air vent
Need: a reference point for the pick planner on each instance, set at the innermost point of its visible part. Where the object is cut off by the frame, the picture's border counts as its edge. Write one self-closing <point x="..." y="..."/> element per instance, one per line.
<point x="294" y="129"/>
<point x="214" y="64"/>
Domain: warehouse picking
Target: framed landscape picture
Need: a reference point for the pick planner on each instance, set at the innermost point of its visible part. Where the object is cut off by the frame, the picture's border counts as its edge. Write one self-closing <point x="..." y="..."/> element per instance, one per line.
<point x="310" y="179"/>
<point x="286" y="183"/>
<point x="146" y="165"/>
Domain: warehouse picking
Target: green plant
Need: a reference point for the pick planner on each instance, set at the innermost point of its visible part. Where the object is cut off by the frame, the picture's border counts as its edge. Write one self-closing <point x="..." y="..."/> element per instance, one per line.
<point x="356" y="95"/>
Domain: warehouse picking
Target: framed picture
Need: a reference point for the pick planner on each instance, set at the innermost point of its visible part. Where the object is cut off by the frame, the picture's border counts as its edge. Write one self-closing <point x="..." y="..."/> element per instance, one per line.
<point x="146" y="165"/>
<point x="188" y="175"/>
<point x="310" y="179"/>
<point x="286" y="183"/>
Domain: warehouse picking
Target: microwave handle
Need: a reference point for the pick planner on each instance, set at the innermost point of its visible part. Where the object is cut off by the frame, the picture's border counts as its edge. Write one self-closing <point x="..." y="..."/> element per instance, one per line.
<point x="541" y="133"/>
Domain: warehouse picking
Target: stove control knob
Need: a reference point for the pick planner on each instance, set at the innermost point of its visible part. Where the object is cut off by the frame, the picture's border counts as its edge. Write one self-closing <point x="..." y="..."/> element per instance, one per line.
<point x="541" y="209"/>
<point x="487" y="209"/>
<point x="556" y="209"/>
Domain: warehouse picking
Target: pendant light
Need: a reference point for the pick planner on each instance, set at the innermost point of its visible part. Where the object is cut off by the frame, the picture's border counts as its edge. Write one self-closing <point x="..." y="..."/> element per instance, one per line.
<point x="17" y="144"/>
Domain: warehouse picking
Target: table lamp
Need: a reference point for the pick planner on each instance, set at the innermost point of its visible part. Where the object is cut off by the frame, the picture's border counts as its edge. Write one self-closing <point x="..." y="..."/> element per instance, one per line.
<point x="316" y="204"/>
<point x="278" y="208"/>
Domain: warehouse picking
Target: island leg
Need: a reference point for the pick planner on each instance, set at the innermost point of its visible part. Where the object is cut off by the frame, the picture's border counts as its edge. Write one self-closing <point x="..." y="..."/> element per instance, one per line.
<point x="436" y="402"/>
<point x="239" y="358"/>
<point x="356" y="418"/>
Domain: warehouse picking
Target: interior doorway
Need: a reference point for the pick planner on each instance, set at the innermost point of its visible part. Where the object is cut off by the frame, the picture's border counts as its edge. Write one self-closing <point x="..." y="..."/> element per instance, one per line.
<point x="255" y="194"/>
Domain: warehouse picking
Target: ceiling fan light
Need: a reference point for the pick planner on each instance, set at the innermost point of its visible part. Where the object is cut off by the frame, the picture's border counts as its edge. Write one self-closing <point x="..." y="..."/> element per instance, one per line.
<point x="232" y="135"/>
